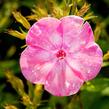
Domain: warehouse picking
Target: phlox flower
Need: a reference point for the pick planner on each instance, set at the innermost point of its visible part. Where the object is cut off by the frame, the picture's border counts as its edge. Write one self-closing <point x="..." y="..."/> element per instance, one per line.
<point x="61" y="54"/>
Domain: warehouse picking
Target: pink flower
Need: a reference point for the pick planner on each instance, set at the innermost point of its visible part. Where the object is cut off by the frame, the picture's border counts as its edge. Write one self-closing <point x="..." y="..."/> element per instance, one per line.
<point x="61" y="54"/>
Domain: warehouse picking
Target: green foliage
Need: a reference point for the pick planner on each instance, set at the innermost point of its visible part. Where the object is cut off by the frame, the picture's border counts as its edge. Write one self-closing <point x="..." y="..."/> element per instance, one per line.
<point x="96" y="94"/>
<point x="8" y="65"/>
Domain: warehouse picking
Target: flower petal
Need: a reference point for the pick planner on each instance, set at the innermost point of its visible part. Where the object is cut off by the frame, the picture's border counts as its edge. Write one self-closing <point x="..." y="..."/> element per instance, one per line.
<point x="76" y="33"/>
<point x="35" y="64"/>
<point x="87" y="61"/>
<point x="85" y="36"/>
<point x="61" y="80"/>
<point x="71" y="26"/>
<point x="45" y="33"/>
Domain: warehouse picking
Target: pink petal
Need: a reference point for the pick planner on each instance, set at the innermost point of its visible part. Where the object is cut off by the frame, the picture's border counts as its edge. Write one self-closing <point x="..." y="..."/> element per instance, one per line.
<point x="35" y="64"/>
<point x="85" y="36"/>
<point x="76" y="33"/>
<point x="45" y="33"/>
<point x="87" y="61"/>
<point x="71" y="29"/>
<point x="61" y="80"/>
<point x="86" y="33"/>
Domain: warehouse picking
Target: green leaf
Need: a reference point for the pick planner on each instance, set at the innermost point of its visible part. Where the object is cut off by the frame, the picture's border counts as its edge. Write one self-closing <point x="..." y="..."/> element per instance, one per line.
<point x="8" y="98"/>
<point x="105" y="64"/>
<point x="8" y="65"/>
<point x="93" y="94"/>
<point x="96" y="85"/>
<point x="16" y="83"/>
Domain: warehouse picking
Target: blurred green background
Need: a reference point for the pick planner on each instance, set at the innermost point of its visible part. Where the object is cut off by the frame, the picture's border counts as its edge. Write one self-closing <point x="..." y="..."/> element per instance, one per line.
<point x="93" y="95"/>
